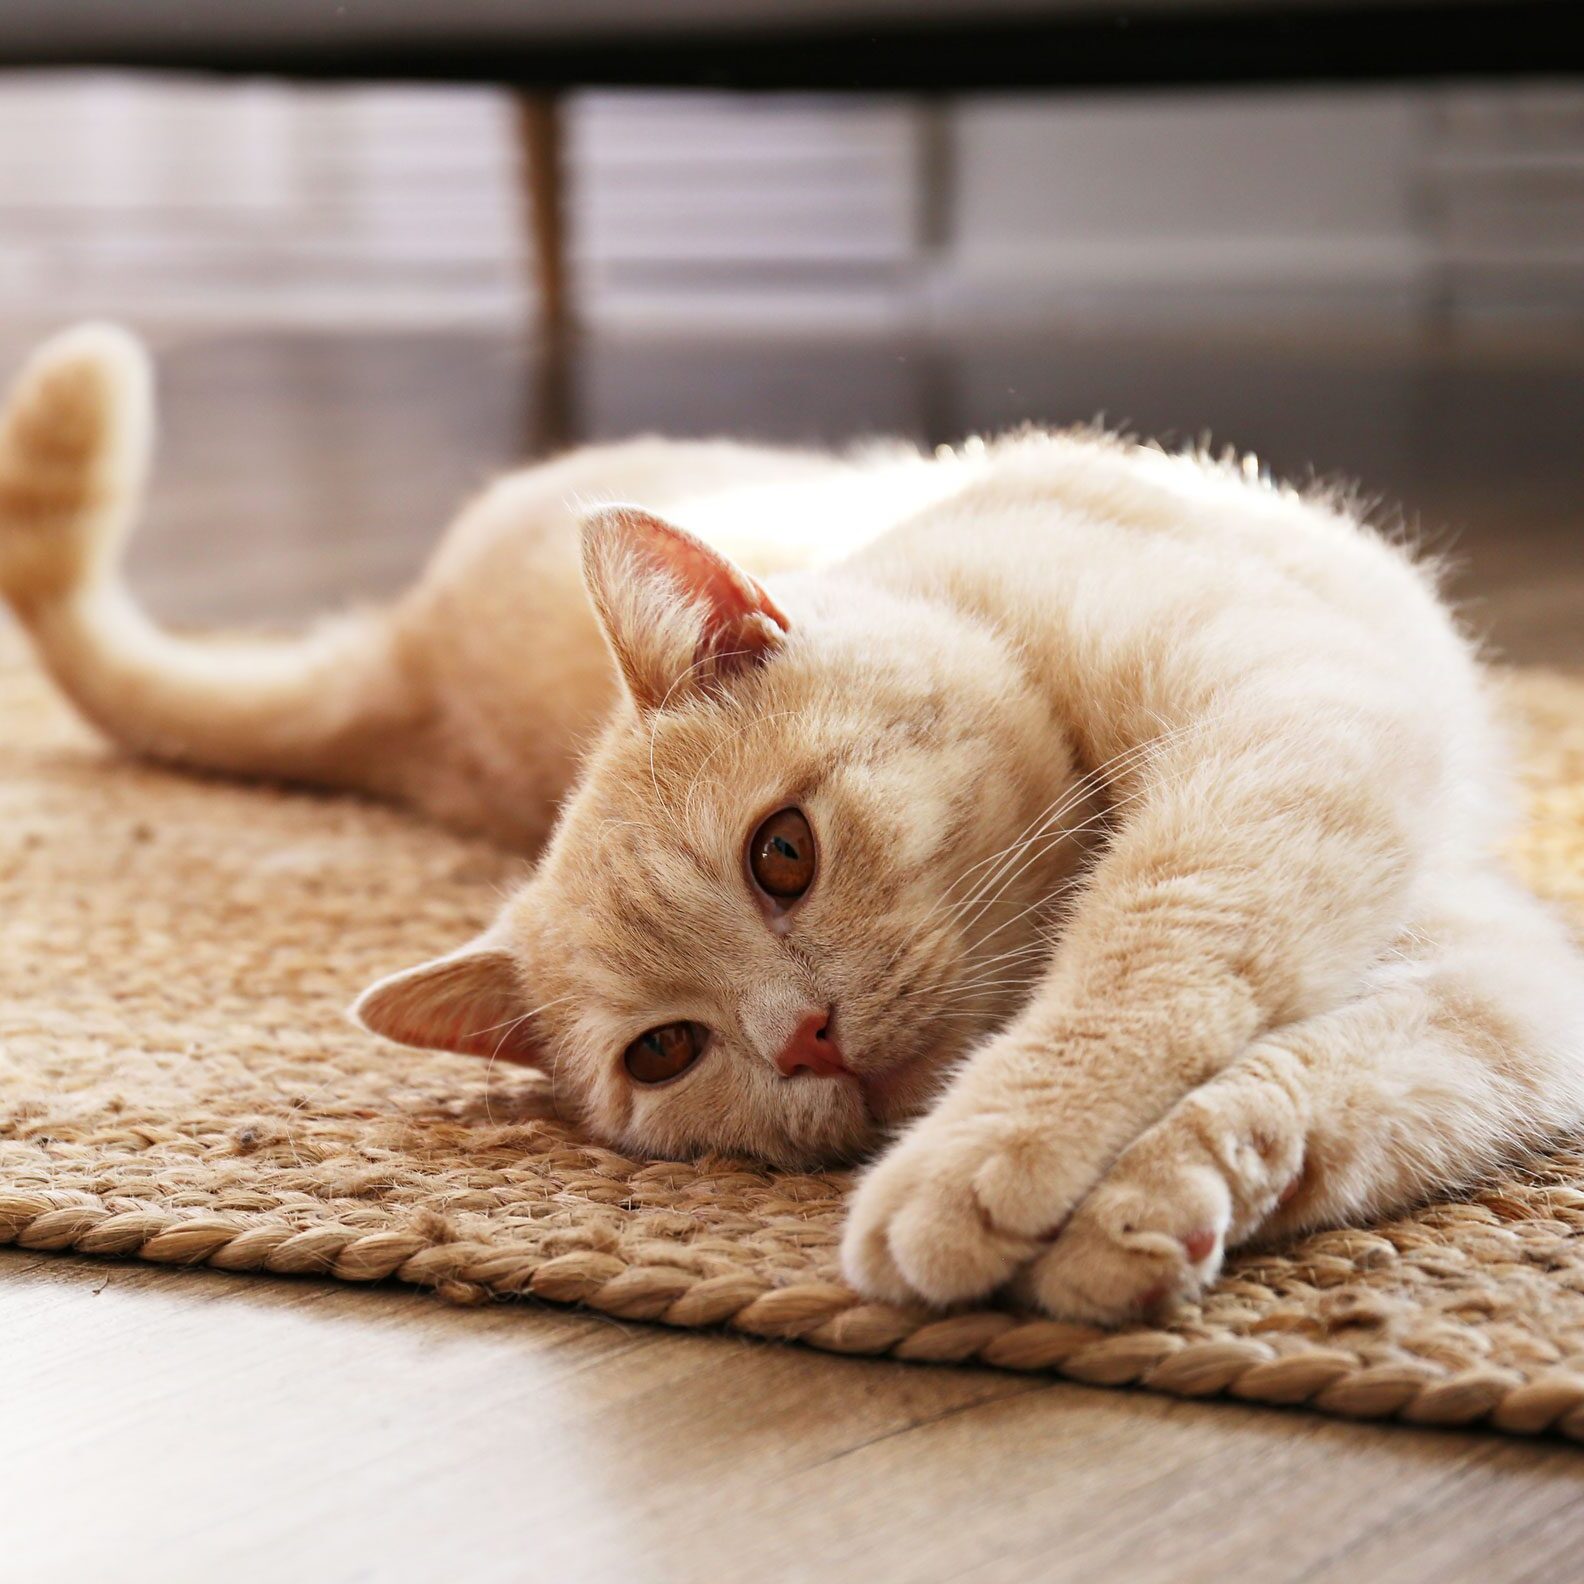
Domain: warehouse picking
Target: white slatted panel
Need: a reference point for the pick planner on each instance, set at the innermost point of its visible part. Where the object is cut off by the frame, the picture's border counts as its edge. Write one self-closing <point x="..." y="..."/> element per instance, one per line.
<point x="1505" y="199"/>
<point x="766" y="212"/>
<point x="258" y="202"/>
<point x="267" y="203"/>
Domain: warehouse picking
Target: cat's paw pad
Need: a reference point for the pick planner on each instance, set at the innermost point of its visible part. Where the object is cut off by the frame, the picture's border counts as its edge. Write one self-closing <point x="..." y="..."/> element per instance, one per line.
<point x="1132" y="1247"/>
<point x="953" y="1211"/>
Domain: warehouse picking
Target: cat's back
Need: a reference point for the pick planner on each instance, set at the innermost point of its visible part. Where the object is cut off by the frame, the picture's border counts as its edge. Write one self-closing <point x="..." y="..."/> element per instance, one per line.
<point x="1056" y="520"/>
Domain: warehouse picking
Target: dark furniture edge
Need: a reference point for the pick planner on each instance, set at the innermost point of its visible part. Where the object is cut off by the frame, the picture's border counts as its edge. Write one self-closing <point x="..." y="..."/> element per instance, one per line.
<point x="1271" y="45"/>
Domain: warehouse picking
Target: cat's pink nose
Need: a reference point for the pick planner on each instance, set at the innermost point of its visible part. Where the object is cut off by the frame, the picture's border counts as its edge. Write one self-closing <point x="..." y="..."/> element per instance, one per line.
<point x="812" y="1050"/>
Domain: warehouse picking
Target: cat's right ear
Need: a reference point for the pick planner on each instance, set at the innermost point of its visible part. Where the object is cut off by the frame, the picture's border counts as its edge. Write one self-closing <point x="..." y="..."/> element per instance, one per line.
<point x="471" y="1002"/>
<point x="680" y="618"/>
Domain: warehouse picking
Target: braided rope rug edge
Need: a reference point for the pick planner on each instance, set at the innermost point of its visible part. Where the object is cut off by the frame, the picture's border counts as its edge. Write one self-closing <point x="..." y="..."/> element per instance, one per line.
<point x="825" y="1315"/>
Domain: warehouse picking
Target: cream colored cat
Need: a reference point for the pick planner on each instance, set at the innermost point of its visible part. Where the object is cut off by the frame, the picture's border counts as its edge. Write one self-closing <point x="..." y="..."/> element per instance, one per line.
<point x="1114" y="828"/>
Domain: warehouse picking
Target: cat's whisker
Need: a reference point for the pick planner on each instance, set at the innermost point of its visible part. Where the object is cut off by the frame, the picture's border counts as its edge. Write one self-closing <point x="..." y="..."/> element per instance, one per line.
<point x="1069" y="883"/>
<point x="659" y="711"/>
<point x="1014" y="960"/>
<point x="1098" y="820"/>
<point x="1142" y="756"/>
<point x="507" y="1028"/>
<point x="1035" y="947"/>
<point x="1054" y="810"/>
<point x="726" y="742"/>
<point x="1005" y="974"/>
<point x="988" y="974"/>
<point x="1138" y="757"/>
<point x="1017" y="857"/>
<point x="1092" y="780"/>
<point x="969" y="994"/>
<point x="954" y="910"/>
<point x="515" y="1022"/>
<point x="1049" y="898"/>
<point x="978" y="963"/>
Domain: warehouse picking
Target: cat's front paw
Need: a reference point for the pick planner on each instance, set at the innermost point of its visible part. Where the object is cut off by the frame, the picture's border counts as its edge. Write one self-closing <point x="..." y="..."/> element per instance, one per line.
<point x="1158" y="1225"/>
<point x="1141" y="1240"/>
<point x="956" y="1208"/>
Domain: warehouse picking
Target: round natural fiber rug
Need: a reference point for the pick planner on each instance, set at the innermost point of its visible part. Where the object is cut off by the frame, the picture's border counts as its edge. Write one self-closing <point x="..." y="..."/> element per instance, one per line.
<point x="177" y="1083"/>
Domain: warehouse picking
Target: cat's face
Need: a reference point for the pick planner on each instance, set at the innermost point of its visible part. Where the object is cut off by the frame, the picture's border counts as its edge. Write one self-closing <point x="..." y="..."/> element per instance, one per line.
<point x="788" y="892"/>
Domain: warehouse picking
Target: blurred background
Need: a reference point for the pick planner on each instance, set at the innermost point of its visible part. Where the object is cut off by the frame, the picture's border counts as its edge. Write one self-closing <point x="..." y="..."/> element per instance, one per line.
<point x="375" y="279"/>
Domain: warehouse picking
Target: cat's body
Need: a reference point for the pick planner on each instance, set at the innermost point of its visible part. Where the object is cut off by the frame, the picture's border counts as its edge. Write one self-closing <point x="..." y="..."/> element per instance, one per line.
<point x="1121" y="822"/>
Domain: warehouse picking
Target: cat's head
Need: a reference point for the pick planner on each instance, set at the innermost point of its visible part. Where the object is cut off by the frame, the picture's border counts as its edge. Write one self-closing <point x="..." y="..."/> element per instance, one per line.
<point x="795" y="880"/>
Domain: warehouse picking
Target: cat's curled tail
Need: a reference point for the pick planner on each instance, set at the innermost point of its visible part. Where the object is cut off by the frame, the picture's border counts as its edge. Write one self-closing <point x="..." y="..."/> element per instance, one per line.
<point x="76" y="433"/>
<point x="75" y="438"/>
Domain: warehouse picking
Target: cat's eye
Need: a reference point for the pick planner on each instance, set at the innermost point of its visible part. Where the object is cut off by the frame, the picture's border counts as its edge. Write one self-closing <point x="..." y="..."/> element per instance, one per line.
<point x="666" y="1052"/>
<point x="781" y="855"/>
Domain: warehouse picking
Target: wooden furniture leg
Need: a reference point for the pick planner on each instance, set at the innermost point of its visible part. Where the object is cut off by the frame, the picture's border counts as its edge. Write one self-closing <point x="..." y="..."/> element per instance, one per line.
<point x="540" y="152"/>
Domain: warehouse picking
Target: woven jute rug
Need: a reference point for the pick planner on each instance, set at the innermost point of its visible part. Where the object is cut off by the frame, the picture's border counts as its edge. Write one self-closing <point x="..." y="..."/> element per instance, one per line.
<point x="177" y="1083"/>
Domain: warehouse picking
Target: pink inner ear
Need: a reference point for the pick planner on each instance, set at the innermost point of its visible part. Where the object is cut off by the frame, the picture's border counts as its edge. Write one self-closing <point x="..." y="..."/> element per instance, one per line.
<point x="728" y="595"/>
<point x="469" y="1004"/>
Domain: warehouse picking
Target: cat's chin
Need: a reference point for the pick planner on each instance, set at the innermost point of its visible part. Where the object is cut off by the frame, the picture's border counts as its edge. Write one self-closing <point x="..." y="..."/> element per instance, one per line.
<point x="865" y="1110"/>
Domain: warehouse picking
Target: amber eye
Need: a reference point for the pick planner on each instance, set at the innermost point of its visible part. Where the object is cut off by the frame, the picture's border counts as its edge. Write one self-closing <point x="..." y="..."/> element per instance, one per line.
<point x="665" y="1052"/>
<point x="781" y="855"/>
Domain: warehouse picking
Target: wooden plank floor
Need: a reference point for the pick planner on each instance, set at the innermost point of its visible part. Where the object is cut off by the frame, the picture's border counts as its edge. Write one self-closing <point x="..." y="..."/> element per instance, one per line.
<point x="199" y="1425"/>
<point x="179" y="1425"/>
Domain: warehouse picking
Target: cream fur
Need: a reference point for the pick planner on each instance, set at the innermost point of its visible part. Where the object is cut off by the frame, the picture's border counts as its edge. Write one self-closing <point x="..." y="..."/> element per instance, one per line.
<point x="1155" y="805"/>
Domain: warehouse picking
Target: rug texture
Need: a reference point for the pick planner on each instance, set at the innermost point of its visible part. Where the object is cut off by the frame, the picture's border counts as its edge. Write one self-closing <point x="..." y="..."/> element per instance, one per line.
<point x="178" y="1083"/>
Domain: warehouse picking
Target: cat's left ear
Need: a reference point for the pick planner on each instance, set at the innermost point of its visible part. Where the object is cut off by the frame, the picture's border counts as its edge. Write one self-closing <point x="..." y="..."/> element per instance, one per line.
<point x="471" y="1002"/>
<point x="678" y="615"/>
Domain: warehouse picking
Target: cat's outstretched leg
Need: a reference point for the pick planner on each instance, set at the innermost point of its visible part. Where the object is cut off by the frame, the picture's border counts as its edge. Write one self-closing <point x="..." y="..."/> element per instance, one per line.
<point x="1270" y="853"/>
<point x="75" y="438"/>
<point x="1467" y="1045"/>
